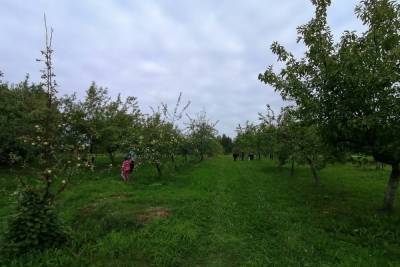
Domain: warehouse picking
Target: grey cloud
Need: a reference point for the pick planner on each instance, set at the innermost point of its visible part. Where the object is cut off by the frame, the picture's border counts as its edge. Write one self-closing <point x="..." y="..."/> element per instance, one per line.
<point x="212" y="51"/>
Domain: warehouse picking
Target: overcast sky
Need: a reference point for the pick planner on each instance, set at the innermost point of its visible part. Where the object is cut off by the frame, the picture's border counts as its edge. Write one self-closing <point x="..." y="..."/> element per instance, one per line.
<point x="211" y="50"/>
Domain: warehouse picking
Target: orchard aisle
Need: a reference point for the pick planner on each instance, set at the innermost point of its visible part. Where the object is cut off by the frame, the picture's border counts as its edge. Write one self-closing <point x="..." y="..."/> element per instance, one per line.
<point x="256" y="215"/>
<point x="250" y="221"/>
<point x="239" y="213"/>
<point x="225" y="213"/>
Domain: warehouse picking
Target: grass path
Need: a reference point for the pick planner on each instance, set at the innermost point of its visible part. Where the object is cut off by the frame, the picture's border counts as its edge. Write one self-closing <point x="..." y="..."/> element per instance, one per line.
<point x="259" y="216"/>
<point x="225" y="213"/>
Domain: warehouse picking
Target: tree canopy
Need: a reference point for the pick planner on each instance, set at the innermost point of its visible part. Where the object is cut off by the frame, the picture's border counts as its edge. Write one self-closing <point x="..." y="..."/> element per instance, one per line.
<point x="349" y="89"/>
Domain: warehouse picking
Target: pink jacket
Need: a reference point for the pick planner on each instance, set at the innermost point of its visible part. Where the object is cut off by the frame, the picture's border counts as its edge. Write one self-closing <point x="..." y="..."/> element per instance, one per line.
<point x="126" y="165"/>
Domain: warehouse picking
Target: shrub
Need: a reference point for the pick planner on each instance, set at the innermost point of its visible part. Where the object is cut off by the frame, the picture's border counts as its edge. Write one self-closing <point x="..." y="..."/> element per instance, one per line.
<point x="35" y="226"/>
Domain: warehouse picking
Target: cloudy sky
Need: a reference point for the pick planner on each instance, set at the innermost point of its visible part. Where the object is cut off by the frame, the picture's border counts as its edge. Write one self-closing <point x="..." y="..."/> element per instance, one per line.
<point x="211" y="50"/>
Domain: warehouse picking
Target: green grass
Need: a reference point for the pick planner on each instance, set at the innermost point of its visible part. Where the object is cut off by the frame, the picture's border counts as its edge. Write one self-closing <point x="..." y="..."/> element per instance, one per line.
<point x="223" y="213"/>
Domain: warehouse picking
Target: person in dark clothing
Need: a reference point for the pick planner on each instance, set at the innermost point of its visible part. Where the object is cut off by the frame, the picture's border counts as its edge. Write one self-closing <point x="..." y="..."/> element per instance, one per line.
<point x="235" y="156"/>
<point x="132" y="165"/>
<point x="251" y="156"/>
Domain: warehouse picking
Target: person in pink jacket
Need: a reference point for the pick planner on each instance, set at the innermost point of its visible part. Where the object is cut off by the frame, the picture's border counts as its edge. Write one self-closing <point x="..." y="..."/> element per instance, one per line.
<point x="126" y="168"/>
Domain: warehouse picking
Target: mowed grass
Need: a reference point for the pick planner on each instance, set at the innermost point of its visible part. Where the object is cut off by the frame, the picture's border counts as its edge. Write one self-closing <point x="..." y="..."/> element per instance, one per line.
<point x="223" y="213"/>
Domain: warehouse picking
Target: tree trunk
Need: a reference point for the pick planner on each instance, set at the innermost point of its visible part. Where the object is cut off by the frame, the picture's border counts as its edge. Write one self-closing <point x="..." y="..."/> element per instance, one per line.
<point x="112" y="159"/>
<point x="174" y="162"/>
<point x="314" y="171"/>
<point x="201" y="156"/>
<point x="393" y="184"/>
<point x="292" y="168"/>
<point x="91" y="149"/>
<point x="158" y="169"/>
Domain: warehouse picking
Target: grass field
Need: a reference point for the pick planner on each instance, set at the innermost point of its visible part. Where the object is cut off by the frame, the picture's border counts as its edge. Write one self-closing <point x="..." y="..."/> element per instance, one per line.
<point x="222" y="213"/>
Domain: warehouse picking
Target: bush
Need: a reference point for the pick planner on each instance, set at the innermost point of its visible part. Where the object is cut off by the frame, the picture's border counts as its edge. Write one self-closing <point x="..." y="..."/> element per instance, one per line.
<point x="35" y="226"/>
